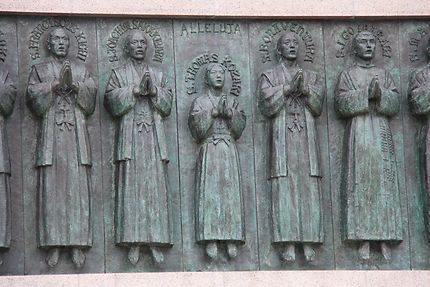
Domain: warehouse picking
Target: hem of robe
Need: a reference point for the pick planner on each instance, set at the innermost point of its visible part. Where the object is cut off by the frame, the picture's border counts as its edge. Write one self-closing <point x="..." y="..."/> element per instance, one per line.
<point x="204" y="241"/>
<point x="374" y="240"/>
<point x="297" y="242"/>
<point x="47" y="246"/>
<point x="355" y="239"/>
<point x="6" y="224"/>
<point x="140" y="243"/>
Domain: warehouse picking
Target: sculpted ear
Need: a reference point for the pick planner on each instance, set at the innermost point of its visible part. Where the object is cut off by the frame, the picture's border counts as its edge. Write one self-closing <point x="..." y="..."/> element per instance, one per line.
<point x="126" y="50"/>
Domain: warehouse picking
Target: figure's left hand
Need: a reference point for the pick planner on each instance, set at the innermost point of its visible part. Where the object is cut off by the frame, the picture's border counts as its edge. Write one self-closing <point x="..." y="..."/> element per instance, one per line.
<point x="151" y="89"/>
<point x="66" y="77"/>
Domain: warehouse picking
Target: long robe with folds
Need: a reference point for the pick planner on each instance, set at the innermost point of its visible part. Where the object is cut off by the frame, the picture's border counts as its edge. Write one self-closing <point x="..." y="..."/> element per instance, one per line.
<point x="7" y="101"/>
<point x="142" y="201"/>
<point x="419" y="103"/>
<point x="294" y="155"/>
<point x="63" y="155"/>
<point x="219" y="195"/>
<point x="370" y="190"/>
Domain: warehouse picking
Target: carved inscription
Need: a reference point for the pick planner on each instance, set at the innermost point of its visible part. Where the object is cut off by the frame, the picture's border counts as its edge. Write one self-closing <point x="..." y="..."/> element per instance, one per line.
<point x="36" y="35"/>
<point x="206" y="58"/>
<point x="415" y="41"/>
<point x="3" y="47"/>
<point x="269" y="38"/>
<point x="208" y="28"/>
<point x="345" y="37"/>
<point x="127" y="25"/>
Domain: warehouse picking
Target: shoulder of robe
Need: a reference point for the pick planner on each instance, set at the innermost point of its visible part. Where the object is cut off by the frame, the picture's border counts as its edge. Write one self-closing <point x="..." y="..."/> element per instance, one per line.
<point x="41" y="67"/>
<point x="423" y="73"/>
<point x="3" y="75"/>
<point x="120" y="70"/>
<point x="78" y="69"/>
<point x="273" y="71"/>
<point x="156" y="72"/>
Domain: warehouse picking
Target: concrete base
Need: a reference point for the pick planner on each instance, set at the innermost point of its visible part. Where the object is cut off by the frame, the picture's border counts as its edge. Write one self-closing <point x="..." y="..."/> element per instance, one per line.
<point x="228" y="279"/>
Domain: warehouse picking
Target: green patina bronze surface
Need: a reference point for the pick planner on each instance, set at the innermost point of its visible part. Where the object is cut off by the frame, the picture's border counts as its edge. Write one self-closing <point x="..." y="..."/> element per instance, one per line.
<point x="136" y="145"/>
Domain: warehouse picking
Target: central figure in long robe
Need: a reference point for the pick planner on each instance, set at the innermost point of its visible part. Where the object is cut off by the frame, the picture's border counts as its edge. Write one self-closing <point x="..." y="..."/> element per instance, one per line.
<point x="292" y="98"/>
<point x="62" y="94"/>
<point x="138" y="96"/>
<point x="7" y="102"/>
<point x="367" y="97"/>
<point x="216" y="121"/>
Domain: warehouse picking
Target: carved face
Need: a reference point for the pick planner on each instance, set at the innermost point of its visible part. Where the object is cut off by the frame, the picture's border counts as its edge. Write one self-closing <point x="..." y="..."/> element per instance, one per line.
<point x="364" y="45"/>
<point x="137" y="45"/>
<point x="216" y="77"/>
<point x="288" y="46"/>
<point x="58" y="43"/>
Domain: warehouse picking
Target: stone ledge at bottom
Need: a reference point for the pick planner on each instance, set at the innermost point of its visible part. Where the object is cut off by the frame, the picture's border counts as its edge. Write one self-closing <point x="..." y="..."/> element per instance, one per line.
<point x="228" y="279"/>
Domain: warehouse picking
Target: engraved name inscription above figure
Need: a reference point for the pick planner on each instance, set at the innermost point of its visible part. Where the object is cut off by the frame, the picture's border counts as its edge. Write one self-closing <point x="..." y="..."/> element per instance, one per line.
<point x="419" y="103"/>
<point x="204" y="59"/>
<point x="7" y="101"/>
<point x="138" y="96"/>
<point x="3" y="47"/>
<point x="291" y="98"/>
<point x="216" y="121"/>
<point x="415" y="41"/>
<point x="47" y="24"/>
<point x="125" y="27"/>
<point x="276" y="28"/>
<point x="344" y="41"/>
<point x="366" y="96"/>
<point x="61" y="94"/>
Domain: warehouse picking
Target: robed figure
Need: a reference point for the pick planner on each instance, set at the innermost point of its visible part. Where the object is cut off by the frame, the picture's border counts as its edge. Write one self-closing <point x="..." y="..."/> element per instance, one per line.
<point x="61" y="95"/>
<point x="367" y="97"/>
<point x="7" y="101"/>
<point x="138" y="96"/>
<point x="292" y="98"/>
<point x="419" y="103"/>
<point x="216" y="121"/>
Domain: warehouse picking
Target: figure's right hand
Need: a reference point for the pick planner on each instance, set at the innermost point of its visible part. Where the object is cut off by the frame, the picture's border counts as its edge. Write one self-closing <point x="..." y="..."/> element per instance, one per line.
<point x="144" y="83"/>
<point x="298" y="82"/>
<point x="374" y="89"/>
<point x="214" y="113"/>
<point x="136" y="91"/>
<point x="55" y="85"/>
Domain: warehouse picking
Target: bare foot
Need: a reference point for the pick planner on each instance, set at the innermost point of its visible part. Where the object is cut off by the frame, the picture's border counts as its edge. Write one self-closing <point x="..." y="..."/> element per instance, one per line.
<point x="134" y="254"/>
<point x="309" y="252"/>
<point x="386" y="251"/>
<point x="157" y="254"/>
<point x="231" y="250"/>
<point x="78" y="257"/>
<point x="289" y="253"/>
<point x="52" y="257"/>
<point x="364" y="250"/>
<point x="212" y="250"/>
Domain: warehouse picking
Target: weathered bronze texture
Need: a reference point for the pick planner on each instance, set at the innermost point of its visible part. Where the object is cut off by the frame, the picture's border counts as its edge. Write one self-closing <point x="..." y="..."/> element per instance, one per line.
<point x="291" y="98"/>
<point x="139" y="96"/>
<point x="216" y="121"/>
<point x="62" y="94"/>
<point x="7" y="102"/>
<point x="135" y="145"/>
<point x="367" y="96"/>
